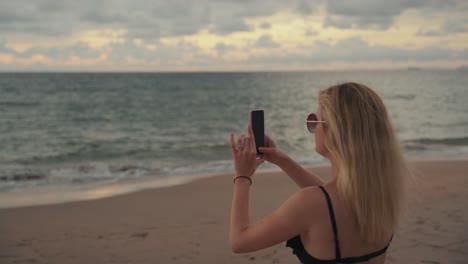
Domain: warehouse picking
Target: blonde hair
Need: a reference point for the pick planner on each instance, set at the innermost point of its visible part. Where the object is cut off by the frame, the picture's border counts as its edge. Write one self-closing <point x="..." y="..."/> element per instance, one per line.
<point x="371" y="167"/>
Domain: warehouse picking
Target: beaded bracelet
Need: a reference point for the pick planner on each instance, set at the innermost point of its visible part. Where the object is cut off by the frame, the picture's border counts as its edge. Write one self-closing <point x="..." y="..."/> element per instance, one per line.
<point x="248" y="178"/>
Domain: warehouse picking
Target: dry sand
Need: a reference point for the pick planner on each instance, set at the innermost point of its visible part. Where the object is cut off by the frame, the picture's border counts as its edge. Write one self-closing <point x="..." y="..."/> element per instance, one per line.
<point x="190" y="223"/>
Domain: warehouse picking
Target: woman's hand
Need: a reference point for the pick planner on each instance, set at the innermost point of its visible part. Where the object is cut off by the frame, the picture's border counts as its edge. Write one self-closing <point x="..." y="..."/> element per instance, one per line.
<point x="271" y="152"/>
<point x="245" y="154"/>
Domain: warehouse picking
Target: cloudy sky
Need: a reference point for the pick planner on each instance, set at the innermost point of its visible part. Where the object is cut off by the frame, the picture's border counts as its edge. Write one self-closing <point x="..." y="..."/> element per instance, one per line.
<point x="231" y="35"/>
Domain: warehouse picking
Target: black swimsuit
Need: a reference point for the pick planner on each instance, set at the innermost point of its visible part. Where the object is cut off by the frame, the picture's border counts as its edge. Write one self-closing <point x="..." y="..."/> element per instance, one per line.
<point x="298" y="248"/>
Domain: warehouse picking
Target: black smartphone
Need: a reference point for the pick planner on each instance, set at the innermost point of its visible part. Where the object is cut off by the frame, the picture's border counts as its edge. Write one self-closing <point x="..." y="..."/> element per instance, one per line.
<point x="257" y="124"/>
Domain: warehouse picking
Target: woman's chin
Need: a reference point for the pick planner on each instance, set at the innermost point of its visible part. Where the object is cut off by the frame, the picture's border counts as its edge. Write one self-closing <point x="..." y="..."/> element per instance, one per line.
<point x="320" y="152"/>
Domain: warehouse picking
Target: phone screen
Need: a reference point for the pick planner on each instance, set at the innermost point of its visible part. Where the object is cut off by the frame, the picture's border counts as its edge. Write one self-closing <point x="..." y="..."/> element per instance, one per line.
<point x="257" y="124"/>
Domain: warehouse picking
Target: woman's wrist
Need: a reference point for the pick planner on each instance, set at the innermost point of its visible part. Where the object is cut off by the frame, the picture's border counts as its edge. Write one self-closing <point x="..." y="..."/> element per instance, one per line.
<point x="284" y="160"/>
<point x="243" y="178"/>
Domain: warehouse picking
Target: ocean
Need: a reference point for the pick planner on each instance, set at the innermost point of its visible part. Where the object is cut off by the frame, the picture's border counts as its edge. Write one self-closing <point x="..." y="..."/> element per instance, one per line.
<point x="71" y="136"/>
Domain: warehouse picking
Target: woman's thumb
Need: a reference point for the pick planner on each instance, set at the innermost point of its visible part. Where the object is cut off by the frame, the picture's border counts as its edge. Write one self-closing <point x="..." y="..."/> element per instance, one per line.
<point x="265" y="150"/>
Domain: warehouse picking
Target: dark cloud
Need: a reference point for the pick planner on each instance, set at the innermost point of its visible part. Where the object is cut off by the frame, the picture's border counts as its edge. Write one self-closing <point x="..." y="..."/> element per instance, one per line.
<point x="167" y="55"/>
<point x="103" y="18"/>
<point x="455" y="26"/>
<point x="224" y="27"/>
<point x="265" y="25"/>
<point x="450" y="26"/>
<point x="152" y="19"/>
<point x="41" y="17"/>
<point x="378" y="14"/>
<point x="369" y="22"/>
<point x="265" y="41"/>
<point x="59" y="52"/>
<point x="4" y="48"/>
<point x="364" y="14"/>
<point x="356" y="8"/>
<point x="142" y="18"/>
<point x="222" y="48"/>
<point x="311" y="32"/>
<point x="305" y="7"/>
<point x="355" y="49"/>
<point x="62" y="53"/>
<point x="430" y="33"/>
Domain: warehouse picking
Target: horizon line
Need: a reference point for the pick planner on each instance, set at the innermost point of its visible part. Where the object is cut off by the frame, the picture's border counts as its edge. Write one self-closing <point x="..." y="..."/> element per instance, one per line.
<point x="410" y="68"/>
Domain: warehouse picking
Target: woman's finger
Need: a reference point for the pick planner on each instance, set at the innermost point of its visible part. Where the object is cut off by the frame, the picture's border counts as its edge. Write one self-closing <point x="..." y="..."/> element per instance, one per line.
<point x="252" y="138"/>
<point x="252" y="145"/>
<point x="269" y="141"/>
<point x="260" y="160"/>
<point x="249" y="129"/>
<point x="233" y="145"/>
<point x="240" y="141"/>
<point x="246" y="144"/>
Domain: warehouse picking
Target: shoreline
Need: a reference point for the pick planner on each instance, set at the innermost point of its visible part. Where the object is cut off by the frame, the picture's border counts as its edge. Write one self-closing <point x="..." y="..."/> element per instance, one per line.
<point x="50" y="195"/>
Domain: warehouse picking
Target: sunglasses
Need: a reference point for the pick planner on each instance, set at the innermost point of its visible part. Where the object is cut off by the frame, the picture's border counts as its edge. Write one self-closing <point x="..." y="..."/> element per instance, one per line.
<point x="312" y="121"/>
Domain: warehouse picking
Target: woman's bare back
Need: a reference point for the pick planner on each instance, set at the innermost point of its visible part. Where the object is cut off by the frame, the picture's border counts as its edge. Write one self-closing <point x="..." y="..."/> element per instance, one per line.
<point x="319" y="239"/>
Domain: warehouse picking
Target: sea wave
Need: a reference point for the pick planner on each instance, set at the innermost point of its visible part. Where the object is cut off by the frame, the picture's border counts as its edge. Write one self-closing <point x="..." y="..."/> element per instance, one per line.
<point x="407" y="97"/>
<point x="456" y="141"/>
<point x="18" y="104"/>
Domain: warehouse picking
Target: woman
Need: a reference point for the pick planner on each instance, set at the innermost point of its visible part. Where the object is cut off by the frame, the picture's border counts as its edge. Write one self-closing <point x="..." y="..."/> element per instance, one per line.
<point x="352" y="217"/>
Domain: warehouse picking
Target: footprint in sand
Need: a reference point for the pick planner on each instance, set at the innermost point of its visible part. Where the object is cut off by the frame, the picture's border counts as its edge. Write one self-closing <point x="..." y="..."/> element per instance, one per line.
<point x="420" y="221"/>
<point x="197" y="244"/>
<point x="209" y="222"/>
<point x="142" y="235"/>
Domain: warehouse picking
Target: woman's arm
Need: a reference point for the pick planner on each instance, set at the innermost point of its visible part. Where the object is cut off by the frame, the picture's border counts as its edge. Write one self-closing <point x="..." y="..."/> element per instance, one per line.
<point x="290" y="219"/>
<point x="239" y="211"/>
<point x="302" y="177"/>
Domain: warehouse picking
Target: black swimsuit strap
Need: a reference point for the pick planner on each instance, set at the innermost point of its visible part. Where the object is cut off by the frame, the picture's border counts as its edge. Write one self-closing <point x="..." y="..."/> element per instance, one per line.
<point x="332" y="216"/>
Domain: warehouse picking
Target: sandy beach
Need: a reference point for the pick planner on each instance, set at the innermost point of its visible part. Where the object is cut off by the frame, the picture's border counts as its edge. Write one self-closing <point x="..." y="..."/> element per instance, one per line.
<point x="189" y="223"/>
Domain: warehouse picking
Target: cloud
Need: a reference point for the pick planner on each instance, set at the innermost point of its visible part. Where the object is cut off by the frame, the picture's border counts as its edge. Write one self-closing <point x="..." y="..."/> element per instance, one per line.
<point x="171" y="56"/>
<point x="265" y="41"/>
<point x="160" y="18"/>
<point x="222" y="48"/>
<point x="365" y="22"/>
<point x="378" y="14"/>
<point x="311" y="32"/>
<point x="224" y="27"/>
<point x="265" y="25"/>
<point x="355" y="49"/>
<point x="41" y="17"/>
<point x="60" y="53"/>
<point x="5" y="49"/>
<point x="450" y="26"/>
<point x="103" y="18"/>
<point x="141" y="18"/>
<point x="140" y="31"/>
<point x="305" y="7"/>
<point x="162" y="54"/>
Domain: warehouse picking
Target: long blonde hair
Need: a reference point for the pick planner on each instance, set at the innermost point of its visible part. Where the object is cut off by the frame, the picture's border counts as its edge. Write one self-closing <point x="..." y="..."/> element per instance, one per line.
<point x="371" y="167"/>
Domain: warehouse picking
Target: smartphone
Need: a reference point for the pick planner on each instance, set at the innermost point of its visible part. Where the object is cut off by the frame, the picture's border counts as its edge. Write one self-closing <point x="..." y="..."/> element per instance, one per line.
<point x="257" y="124"/>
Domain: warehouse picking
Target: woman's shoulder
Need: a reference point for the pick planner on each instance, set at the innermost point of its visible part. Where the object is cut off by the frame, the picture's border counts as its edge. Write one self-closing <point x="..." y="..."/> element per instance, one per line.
<point x="312" y="196"/>
<point x="311" y="192"/>
<point x="315" y="192"/>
